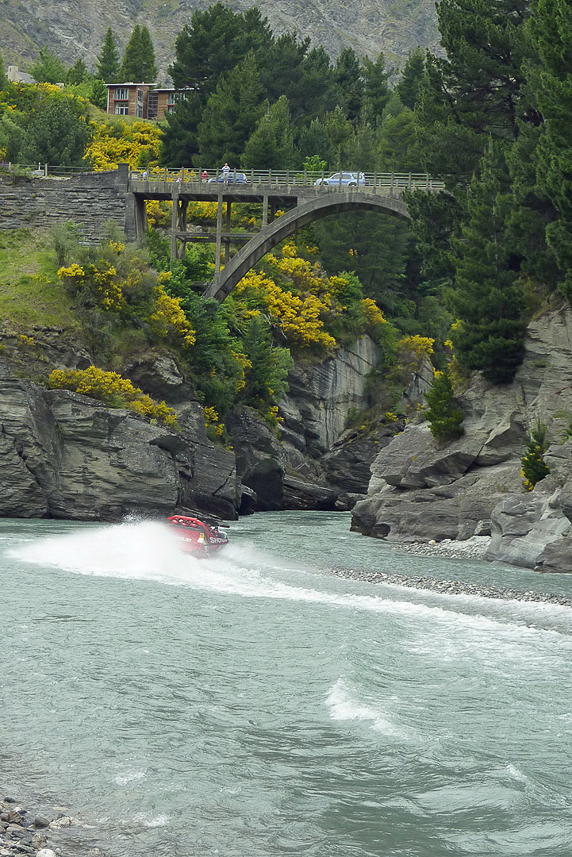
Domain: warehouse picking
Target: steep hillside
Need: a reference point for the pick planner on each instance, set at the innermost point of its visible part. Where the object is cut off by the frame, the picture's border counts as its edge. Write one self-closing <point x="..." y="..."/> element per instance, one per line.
<point x="73" y="28"/>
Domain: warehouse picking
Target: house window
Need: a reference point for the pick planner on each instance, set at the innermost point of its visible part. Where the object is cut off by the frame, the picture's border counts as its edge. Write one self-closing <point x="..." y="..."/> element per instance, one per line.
<point x="140" y="103"/>
<point x="172" y="98"/>
<point x="122" y="109"/>
<point x="121" y="94"/>
<point x="152" y="105"/>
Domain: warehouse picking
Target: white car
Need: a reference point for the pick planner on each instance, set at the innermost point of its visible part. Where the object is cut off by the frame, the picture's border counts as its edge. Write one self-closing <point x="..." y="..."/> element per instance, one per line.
<point x="345" y="179"/>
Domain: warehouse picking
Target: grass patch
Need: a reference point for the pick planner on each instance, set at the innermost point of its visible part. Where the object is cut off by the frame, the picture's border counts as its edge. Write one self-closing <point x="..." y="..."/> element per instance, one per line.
<point x="30" y="293"/>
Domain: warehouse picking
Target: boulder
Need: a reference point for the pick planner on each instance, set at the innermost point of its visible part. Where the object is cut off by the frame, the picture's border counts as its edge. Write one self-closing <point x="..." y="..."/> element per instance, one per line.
<point x="421" y="491"/>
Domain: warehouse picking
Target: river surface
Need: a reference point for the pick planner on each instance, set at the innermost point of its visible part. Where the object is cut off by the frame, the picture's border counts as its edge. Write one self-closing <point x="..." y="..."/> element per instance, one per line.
<point x="255" y="704"/>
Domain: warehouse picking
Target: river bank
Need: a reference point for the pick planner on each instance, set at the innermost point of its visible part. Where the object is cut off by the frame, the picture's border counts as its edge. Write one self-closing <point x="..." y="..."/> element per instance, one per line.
<point x="25" y="832"/>
<point x="474" y="548"/>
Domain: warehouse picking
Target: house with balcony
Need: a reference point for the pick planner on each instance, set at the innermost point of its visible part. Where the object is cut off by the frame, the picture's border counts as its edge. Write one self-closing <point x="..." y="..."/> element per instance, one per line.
<point x="141" y="100"/>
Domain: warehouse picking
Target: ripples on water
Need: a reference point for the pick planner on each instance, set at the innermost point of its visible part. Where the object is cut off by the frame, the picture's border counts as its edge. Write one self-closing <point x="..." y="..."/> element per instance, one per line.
<point x="254" y="704"/>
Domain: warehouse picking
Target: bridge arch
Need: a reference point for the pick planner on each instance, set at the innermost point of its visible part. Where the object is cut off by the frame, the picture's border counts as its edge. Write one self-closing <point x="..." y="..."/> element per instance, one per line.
<point x="334" y="203"/>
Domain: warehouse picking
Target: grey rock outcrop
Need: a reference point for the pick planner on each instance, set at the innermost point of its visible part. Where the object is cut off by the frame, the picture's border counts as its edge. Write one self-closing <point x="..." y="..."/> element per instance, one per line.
<point x="420" y="491"/>
<point x="292" y="468"/>
<point x="322" y="395"/>
<point x="63" y="455"/>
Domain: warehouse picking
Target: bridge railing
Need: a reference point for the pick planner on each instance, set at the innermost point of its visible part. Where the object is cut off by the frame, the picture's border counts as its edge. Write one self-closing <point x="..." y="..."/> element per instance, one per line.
<point x="291" y="178"/>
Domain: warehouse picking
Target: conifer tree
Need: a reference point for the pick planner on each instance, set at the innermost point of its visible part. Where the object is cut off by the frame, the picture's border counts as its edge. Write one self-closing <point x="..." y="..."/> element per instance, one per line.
<point x="347" y="74"/>
<point x="139" y="58"/>
<point x="180" y="145"/>
<point x="411" y="78"/>
<point x="148" y="68"/>
<point x="533" y="465"/>
<point x="444" y="416"/>
<point x="375" y="86"/>
<point x="231" y="114"/>
<point x="552" y="33"/>
<point x="487" y="299"/>
<point x="210" y="47"/>
<point x="77" y="73"/>
<point x="476" y="90"/>
<point x="108" y="60"/>
<point x="271" y="146"/>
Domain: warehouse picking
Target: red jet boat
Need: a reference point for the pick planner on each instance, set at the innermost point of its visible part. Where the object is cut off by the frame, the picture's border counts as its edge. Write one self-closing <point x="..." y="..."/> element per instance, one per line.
<point x="196" y="537"/>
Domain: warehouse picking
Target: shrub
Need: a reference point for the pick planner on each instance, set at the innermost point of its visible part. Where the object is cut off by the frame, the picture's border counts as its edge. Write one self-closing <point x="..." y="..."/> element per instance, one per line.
<point x="113" y="390"/>
<point x="533" y="466"/>
<point x="445" y="418"/>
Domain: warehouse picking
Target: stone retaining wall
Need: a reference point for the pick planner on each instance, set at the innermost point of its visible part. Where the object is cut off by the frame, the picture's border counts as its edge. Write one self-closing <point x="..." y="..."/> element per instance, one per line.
<point x="90" y="200"/>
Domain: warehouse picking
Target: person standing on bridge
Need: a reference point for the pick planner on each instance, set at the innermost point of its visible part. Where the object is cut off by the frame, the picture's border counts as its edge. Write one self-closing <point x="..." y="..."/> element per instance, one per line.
<point x="226" y="171"/>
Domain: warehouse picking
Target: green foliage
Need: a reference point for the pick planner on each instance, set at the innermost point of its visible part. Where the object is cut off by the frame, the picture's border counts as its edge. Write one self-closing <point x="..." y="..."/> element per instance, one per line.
<point x="266" y="376"/>
<point x="48" y="68"/>
<point x="533" y="466"/>
<point x="56" y="134"/>
<point x="552" y="34"/>
<point x="411" y="78"/>
<point x="347" y="74"/>
<point x="138" y="63"/>
<point x="77" y="73"/>
<point x="487" y="298"/>
<point x="375" y="87"/>
<point x="271" y="146"/>
<point x="3" y="78"/>
<point x="108" y="59"/>
<point x="65" y="238"/>
<point x="180" y="144"/>
<point x="445" y="418"/>
<point x="230" y="115"/>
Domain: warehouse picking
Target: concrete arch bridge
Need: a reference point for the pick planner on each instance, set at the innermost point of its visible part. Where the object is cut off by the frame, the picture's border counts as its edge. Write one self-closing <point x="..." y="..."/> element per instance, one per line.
<point x="305" y="198"/>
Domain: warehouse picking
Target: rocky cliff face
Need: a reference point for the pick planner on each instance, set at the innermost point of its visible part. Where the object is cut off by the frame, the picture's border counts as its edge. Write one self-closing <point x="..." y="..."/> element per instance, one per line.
<point x="73" y="29"/>
<point x="422" y="491"/>
<point x="63" y="455"/>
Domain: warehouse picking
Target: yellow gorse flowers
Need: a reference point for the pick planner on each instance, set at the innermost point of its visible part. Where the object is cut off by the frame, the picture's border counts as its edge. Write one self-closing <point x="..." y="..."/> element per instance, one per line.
<point x="113" y="390"/>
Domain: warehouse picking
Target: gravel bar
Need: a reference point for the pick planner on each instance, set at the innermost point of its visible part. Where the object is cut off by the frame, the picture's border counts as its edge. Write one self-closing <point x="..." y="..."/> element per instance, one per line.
<point x="454" y="587"/>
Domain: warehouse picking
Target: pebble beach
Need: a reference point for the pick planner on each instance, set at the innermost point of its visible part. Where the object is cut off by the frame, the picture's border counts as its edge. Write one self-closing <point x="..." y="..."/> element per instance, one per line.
<point x="473" y="549"/>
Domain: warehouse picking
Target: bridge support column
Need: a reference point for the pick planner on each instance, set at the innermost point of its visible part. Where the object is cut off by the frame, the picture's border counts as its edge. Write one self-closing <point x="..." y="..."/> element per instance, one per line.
<point x="218" y="234"/>
<point x="264" y="211"/>
<point x="174" y="220"/>
<point x="227" y="230"/>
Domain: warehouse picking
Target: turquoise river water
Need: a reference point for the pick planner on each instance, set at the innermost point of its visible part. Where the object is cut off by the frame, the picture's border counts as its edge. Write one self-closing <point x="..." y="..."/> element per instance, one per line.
<point x="255" y="704"/>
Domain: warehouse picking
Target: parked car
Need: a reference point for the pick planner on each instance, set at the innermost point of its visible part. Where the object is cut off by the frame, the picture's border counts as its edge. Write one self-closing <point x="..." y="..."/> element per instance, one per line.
<point x="344" y="178"/>
<point x="231" y="177"/>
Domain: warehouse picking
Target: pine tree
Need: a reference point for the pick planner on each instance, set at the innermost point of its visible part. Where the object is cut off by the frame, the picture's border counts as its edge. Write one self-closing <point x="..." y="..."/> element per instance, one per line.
<point x="552" y="34"/>
<point x="148" y="68"/>
<point x="231" y="114"/>
<point x="411" y="78"/>
<point x="444" y="416"/>
<point x="347" y="74"/>
<point x="533" y="466"/>
<point x="376" y="87"/>
<point x="77" y="73"/>
<point x="133" y="62"/>
<point x="487" y="299"/>
<point x="108" y="60"/>
<point x="210" y="47"/>
<point x="179" y="144"/>
<point x="476" y="90"/>
<point x="271" y="146"/>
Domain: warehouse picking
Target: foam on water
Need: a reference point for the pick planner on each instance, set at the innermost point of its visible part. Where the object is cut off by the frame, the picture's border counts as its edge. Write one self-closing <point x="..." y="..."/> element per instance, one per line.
<point x="148" y="551"/>
<point x="344" y="705"/>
